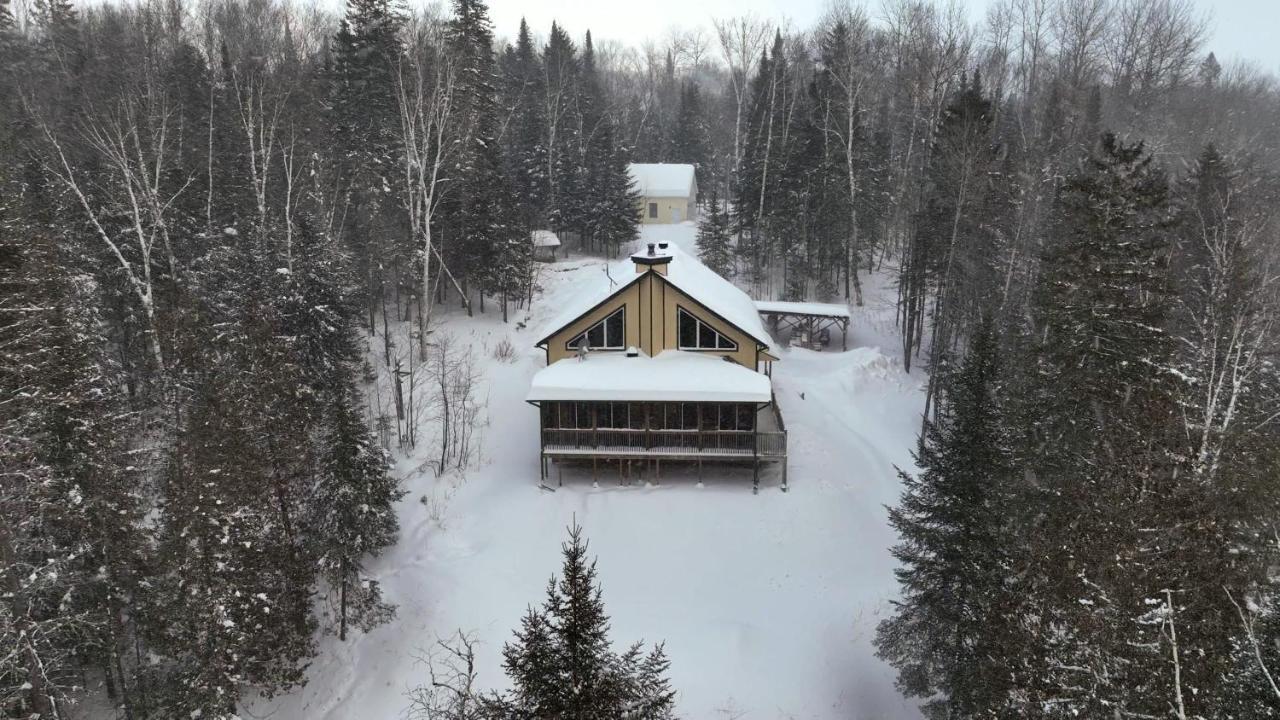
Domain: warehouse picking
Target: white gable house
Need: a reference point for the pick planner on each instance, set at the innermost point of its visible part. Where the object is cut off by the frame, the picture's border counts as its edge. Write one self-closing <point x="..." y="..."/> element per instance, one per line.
<point x="668" y="192"/>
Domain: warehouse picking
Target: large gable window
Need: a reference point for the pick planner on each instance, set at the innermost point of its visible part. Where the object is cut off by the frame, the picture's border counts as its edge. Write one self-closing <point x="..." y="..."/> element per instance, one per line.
<point x="608" y="334"/>
<point x="697" y="335"/>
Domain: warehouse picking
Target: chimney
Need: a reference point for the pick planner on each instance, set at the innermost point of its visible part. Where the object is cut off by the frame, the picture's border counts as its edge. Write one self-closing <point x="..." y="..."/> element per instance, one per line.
<point x="656" y="256"/>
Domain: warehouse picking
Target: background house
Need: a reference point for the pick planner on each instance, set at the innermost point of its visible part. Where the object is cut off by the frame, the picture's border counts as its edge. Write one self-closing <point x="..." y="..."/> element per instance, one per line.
<point x="668" y="192"/>
<point x="545" y="245"/>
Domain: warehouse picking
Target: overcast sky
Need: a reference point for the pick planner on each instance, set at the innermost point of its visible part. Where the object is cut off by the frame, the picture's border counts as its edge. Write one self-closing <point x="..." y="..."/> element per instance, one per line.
<point x="1240" y="28"/>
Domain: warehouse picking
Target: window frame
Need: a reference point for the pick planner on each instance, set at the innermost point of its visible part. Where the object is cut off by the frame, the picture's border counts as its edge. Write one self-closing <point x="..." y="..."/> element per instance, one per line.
<point x="571" y="344"/>
<point x="717" y="336"/>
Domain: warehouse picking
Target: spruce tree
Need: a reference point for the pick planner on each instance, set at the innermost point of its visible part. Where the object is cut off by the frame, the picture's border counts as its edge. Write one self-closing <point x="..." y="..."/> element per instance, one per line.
<point x="525" y="97"/>
<point x="692" y="137"/>
<point x="561" y="664"/>
<point x="715" y="245"/>
<point x="364" y="126"/>
<point x="1115" y="555"/>
<point x="493" y="249"/>
<point x="951" y="548"/>
<point x="352" y="515"/>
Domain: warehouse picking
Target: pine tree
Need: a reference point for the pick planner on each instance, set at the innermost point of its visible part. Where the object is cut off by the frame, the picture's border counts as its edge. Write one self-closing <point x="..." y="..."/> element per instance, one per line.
<point x="226" y="580"/>
<point x="561" y="664"/>
<point x="352" y="516"/>
<point x="605" y="205"/>
<point x="1116" y="554"/>
<point x="527" y="145"/>
<point x="951" y="549"/>
<point x="493" y="248"/>
<point x="364" y="124"/>
<point x="715" y="246"/>
<point x="691" y="141"/>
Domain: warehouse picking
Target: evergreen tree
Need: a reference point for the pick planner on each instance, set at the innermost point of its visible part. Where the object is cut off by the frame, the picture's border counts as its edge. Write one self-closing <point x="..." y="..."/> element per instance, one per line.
<point x="1109" y="458"/>
<point x="692" y="138"/>
<point x="952" y="549"/>
<point x="493" y="248"/>
<point x="352" y="516"/>
<point x="715" y="246"/>
<point x="364" y="124"/>
<point x="215" y="613"/>
<point x="561" y="664"/>
<point x="607" y="204"/>
<point x="564" y="130"/>
<point x="527" y="140"/>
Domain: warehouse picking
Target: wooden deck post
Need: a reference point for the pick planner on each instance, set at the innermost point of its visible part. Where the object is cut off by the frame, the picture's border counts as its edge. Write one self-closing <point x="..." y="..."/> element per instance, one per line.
<point x="755" y="451"/>
<point x="844" y="335"/>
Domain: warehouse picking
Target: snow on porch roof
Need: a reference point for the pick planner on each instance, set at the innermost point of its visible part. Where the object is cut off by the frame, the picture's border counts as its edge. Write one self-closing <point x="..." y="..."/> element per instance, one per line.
<point x="674" y="375"/>
<point x="662" y="179"/>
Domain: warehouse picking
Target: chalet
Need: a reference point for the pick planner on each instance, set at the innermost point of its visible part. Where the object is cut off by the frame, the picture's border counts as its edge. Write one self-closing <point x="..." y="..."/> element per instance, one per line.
<point x="671" y="362"/>
<point x="668" y="192"/>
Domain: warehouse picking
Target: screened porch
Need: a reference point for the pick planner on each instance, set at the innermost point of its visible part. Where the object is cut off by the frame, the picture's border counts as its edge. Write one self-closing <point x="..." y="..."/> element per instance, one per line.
<point x="678" y="430"/>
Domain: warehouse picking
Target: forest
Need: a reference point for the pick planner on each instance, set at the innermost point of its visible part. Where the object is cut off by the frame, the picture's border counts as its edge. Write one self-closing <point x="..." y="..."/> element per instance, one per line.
<point x="212" y="210"/>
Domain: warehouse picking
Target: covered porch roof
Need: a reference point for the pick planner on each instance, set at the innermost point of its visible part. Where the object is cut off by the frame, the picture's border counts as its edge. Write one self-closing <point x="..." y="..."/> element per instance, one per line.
<point x="671" y="376"/>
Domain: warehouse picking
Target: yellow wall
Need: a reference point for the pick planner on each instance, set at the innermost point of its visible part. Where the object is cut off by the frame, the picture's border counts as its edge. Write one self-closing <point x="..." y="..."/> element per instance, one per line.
<point x="630" y="297"/>
<point x="652" y="325"/>
<point x="665" y="206"/>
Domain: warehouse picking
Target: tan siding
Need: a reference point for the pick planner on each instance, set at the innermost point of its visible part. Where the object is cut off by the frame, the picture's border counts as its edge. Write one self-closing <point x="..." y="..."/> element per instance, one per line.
<point x="665" y="206"/>
<point x="652" y="325"/>
<point x="746" y="352"/>
<point x="630" y="297"/>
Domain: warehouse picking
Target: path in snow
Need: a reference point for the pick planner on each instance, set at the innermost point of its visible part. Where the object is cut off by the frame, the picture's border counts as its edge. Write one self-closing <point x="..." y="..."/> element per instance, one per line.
<point x="767" y="603"/>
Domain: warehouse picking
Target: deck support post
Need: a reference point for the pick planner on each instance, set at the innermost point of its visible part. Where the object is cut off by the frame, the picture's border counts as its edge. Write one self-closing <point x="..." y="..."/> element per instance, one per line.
<point x="755" y="480"/>
<point x="844" y="335"/>
<point x="784" y="473"/>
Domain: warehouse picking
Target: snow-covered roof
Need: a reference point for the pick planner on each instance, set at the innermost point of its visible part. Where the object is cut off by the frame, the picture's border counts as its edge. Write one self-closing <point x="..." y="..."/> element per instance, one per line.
<point x="662" y="179"/>
<point x="802" y="308"/>
<point x="674" y="375"/>
<point x="685" y="272"/>
<point x="545" y="238"/>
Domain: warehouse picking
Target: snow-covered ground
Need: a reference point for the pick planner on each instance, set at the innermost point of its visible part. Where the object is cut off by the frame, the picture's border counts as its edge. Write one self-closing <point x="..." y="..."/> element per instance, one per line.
<point x="767" y="603"/>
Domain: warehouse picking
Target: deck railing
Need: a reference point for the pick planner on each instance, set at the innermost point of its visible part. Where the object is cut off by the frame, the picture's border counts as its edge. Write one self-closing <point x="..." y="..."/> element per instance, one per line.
<point x="694" y="442"/>
<point x="771" y="444"/>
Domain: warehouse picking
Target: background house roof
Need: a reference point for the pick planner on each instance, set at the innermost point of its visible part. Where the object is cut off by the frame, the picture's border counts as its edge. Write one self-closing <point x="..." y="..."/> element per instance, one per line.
<point x="674" y="375"/>
<point x="662" y="179"/>
<point x="545" y="238"/>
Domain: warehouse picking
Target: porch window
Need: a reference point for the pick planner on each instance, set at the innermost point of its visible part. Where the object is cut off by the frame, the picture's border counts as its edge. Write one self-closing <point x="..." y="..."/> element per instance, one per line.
<point x="653" y="210"/>
<point x="679" y="416"/>
<point x="697" y="335"/>
<point x="608" y="334"/>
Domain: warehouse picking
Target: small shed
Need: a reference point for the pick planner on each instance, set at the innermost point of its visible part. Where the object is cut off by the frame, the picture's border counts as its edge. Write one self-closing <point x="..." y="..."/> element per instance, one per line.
<point x="545" y="245"/>
<point x="668" y="192"/>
